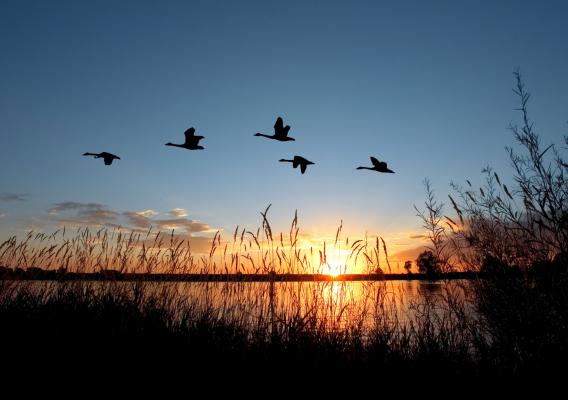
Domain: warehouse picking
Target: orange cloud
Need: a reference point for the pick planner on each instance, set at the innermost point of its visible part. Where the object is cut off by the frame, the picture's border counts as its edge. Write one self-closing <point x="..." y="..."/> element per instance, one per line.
<point x="178" y="212"/>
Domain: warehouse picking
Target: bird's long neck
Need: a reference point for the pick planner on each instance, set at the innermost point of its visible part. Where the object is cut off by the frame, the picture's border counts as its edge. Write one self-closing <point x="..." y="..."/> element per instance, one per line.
<point x="262" y="134"/>
<point x="365" y="168"/>
<point x="90" y="154"/>
<point x="284" y="160"/>
<point x="173" y="144"/>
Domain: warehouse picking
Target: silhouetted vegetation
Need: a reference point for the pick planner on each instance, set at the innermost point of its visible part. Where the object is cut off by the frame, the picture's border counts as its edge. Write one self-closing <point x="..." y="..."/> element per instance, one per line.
<point x="515" y="233"/>
<point x="246" y="252"/>
<point x="522" y="224"/>
<point x="132" y="325"/>
<point x="428" y="263"/>
<point x="511" y="322"/>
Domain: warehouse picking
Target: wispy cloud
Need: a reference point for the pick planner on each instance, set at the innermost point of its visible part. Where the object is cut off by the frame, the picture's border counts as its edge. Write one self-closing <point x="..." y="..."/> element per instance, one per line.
<point x="76" y="213"/>
<point x="73" y="205"/>
<point x="2" y="215"/>
<point x="140" y="219"/>
<point x="13" y="196"/>
<point x="147" y="213"/>
<point x="143" y="219"/>
<point x="178" y="212"/>
<point x="185" y="224"/>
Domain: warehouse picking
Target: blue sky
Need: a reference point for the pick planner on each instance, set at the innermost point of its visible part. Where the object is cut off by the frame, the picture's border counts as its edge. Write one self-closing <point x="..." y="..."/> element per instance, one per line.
<point x="425" y="86"/>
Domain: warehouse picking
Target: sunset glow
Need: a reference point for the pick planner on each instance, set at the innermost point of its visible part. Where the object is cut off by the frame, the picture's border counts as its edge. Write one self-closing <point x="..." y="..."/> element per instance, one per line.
<point x="333" y="268"/>
<point x="284" y="193"/>
<point x="361" y="111"/>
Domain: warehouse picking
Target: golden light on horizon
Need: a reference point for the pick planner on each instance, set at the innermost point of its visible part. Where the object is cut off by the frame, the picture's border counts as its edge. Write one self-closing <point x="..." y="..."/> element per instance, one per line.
<point x="331" y="269"/>
<point x="334" y="266"/>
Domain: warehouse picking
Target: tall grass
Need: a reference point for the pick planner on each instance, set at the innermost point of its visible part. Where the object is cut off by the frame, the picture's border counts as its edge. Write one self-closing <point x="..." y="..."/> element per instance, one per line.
<point x="149" y="252"/>
<point x="507" y="324"/>
<point x="317" y="327"/>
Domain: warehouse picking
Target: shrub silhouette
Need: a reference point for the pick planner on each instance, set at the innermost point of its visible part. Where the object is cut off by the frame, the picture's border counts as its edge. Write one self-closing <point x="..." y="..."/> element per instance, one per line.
<point x="525" y="224"/>
<point x="494" y="267"/>
<point x="521" y="222"/>
<point x="515" y="231"/>
<point x="428" y="263"/>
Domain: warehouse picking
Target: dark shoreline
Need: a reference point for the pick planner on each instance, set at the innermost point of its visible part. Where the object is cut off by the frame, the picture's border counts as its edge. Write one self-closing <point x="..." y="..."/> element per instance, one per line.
<point x="111" y="275"/>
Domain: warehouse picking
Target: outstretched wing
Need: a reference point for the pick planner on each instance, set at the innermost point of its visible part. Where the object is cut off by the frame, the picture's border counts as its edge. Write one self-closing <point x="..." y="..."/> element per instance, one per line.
<point x="189" y="134"/>
<point x="108" y="157"/>
<point x="303" y="167"/>
<point x="296" y="162"/>
<point x="376" y="162"/>
<point x="278" y="126"/>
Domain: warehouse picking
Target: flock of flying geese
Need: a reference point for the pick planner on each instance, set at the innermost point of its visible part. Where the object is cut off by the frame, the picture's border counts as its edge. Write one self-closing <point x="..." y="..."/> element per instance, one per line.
<point x="280" y="134"/>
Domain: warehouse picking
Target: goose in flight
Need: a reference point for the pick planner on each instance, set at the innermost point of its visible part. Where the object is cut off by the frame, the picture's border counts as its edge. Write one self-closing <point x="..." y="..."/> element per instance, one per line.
<point x="379" y="166"/>
<point x="301" y="161"/>
<point x="107" y="157"/>
<point x="280" y="132"/>
<point x="191" y="141"/>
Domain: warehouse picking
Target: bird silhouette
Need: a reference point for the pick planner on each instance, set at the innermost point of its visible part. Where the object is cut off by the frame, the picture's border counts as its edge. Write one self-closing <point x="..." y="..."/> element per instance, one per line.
<point x="107" y="157"/>
<point x="191" y="141"/>
<point x="301" y="161"/>
<point x="280" y="132"/>
<point x="379" y="166"/>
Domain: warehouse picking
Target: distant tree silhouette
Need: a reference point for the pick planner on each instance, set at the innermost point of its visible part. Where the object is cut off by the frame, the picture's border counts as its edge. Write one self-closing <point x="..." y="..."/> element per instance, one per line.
<point x="408" y="266"/>
<point x="428" y="263"/>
